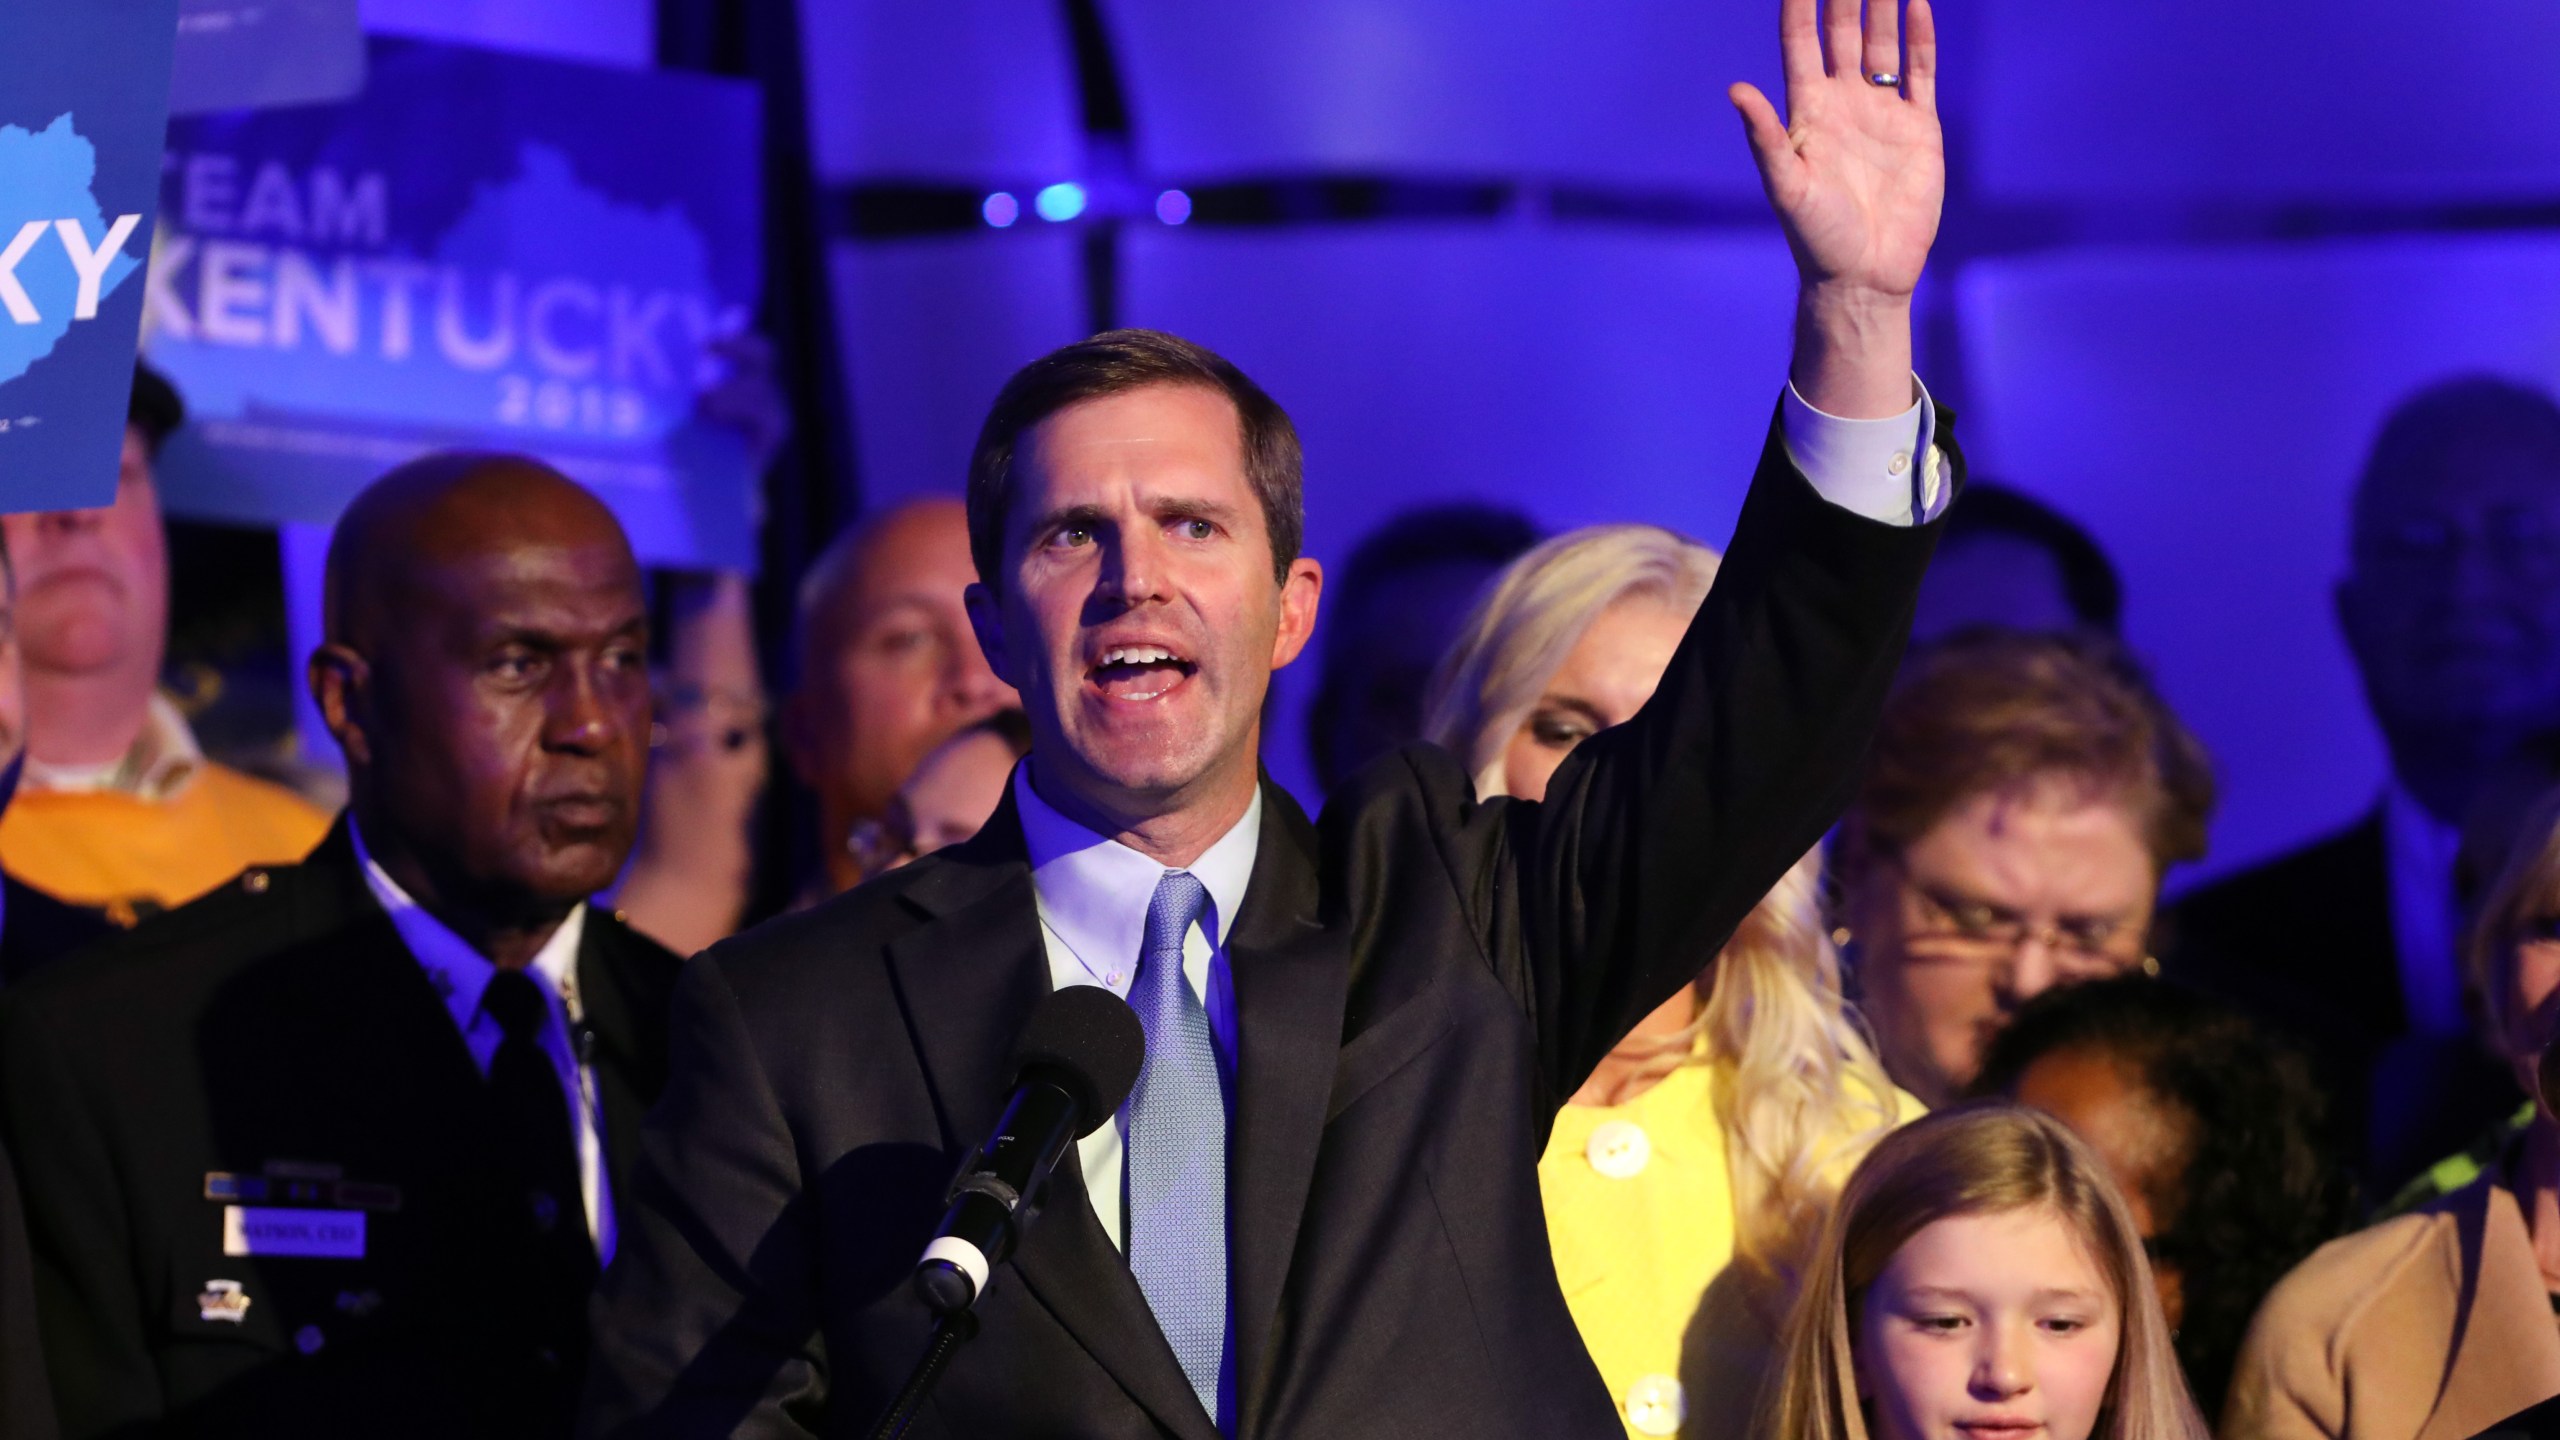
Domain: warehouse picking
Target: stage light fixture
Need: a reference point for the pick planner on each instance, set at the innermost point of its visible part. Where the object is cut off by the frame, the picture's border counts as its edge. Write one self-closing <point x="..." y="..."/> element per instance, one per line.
<point x="1173" y="207"/>
<point x="1001" y="209"/>
<point x="1061" y="202"/>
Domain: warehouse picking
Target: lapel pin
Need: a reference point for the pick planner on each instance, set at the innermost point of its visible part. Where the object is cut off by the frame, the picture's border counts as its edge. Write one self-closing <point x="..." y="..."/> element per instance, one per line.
<point x="223" y="1300"/>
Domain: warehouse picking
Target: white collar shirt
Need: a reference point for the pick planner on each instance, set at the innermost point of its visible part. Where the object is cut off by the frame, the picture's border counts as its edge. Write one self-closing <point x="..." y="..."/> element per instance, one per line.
<point x="1093" y="895"/>
<point x="461" y="976"/>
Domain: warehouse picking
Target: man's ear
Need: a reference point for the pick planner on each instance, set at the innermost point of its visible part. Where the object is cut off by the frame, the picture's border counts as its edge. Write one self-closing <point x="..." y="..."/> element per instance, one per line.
<point x="986" y="619"/>
<point x="1300" y="589"/>
<point x="341" y="684"/>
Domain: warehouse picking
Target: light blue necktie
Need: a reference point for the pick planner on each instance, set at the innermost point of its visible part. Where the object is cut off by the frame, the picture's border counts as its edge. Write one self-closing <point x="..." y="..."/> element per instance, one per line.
<point x="1177" y="1162"/>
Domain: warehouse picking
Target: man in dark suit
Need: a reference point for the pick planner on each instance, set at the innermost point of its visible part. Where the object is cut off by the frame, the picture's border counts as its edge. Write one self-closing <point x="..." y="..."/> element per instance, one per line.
<point x="338" y="1148"/>
<point x="2353" y="942"/>
<point x="1318" y="1213"/>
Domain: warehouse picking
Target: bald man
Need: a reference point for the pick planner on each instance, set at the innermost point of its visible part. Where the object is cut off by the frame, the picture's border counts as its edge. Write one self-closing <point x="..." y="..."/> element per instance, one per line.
<point x="889" y="668"/>
<point x="338" y="1148"/>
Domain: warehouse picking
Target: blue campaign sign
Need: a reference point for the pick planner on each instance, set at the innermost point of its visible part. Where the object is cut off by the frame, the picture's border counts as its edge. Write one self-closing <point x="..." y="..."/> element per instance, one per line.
<point x="84" y="95"/>
<point x="235" y="54"/>
<point x="483" y="249"/>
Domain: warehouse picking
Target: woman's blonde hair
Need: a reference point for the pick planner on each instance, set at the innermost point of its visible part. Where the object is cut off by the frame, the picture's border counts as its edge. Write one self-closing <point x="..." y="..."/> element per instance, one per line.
<point x="1986" y="1158"/>
<point x="1800" y="1093"/>
<point x="2527" y="890"/>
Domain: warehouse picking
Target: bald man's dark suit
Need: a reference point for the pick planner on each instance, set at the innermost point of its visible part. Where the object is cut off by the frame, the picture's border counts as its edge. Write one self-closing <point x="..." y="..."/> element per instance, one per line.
<point x="279" y="1026"/>
<point x="1420" y="982"/>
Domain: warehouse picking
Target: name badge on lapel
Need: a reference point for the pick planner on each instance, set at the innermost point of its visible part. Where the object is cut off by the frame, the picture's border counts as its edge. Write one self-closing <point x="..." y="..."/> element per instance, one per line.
<point x="308" y="1234"/>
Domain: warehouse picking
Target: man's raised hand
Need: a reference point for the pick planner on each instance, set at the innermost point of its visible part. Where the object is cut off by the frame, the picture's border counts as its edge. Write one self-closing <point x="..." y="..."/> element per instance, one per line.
<point x="1857" y="174"/>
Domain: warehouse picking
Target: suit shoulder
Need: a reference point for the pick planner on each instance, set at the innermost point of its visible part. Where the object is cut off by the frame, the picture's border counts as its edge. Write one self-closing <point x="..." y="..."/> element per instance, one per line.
<point x="840" y="931"/>
<point x="1420" y="782"/>
<point x="634" y="949"/>
<point x="178" y="952"/>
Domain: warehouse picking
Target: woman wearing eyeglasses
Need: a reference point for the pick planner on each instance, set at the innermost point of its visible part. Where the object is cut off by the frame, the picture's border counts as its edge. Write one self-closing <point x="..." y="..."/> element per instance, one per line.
<point x="2441" y="1322"/>
<point x="2025" y="795"/>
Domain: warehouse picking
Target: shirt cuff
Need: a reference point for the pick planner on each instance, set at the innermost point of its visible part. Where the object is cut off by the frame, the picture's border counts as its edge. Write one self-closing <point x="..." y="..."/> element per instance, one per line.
<point x="1865" y="466"/>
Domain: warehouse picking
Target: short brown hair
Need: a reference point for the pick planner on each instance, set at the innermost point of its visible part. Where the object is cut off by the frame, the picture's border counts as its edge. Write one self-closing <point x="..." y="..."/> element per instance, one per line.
<point x="1111" y="363"/>
<point x="1989" y="710"/>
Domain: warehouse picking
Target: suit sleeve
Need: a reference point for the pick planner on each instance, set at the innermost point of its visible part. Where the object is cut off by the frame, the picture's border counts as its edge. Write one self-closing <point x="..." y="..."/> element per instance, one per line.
<point x="91" y="1306"/>
<point x="707" y="1323"/>
<point x="1658" y="836"/>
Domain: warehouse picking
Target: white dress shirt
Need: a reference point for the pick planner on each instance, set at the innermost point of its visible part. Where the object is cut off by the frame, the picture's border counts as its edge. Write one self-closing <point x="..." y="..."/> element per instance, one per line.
<point x="1093" y="895"/>
<point x="2426" y="918"/>
<point x="1867" y="466"/>
<point x="461" y="975"/>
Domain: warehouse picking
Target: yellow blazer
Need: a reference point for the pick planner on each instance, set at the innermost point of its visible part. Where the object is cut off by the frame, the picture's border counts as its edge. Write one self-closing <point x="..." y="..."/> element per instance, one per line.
<point x="2433" y="1326"/>
<point x="1639" y="1206"/>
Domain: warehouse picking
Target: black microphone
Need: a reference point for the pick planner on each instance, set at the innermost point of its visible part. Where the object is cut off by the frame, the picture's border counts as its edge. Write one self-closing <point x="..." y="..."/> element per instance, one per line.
<point x="1078" y="1058"/>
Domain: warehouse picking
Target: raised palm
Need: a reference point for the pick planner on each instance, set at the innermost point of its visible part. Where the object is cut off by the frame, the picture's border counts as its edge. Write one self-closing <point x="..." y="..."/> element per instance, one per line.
<point x="1857" y="173"/>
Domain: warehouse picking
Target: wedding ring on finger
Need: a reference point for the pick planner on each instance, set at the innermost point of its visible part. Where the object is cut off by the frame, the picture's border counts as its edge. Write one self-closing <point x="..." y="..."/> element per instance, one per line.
<point x="1885" y="78"/>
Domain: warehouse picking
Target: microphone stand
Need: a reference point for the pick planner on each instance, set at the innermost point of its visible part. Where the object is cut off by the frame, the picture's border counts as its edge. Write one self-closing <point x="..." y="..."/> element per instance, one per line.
<point x="957" y="1327"/>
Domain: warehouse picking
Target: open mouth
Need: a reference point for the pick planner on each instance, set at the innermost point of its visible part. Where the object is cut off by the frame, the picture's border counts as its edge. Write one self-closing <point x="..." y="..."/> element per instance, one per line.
<point x="1139" y="672"/>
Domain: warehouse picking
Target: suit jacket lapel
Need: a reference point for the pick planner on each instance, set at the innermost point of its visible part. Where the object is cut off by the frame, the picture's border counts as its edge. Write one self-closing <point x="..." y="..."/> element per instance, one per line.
<point x="625" y="986"/>
<point x="968" y="980"/>
<point x="1290" y="978"/>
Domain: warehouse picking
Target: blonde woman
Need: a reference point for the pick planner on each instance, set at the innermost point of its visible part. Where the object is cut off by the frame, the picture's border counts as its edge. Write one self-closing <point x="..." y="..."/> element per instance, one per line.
<point x="1687" y="1177"/>
<point x="2437" y="1323"/>
<point x="1981" y="1277"/>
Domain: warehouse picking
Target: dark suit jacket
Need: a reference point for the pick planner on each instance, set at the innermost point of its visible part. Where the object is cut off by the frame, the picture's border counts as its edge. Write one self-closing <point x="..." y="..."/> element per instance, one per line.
<point x="37" y="929"/>
<point x="1419" y="984"/>
<point x="26" y="1397"/>
<point x="2304" y="942"/>
<point x="278" y="1027"/>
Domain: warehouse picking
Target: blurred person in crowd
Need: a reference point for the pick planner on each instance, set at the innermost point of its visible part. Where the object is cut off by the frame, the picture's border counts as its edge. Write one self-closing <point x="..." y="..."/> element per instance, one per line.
<point x="120" y="809"/>
<point x="2450" y="609"/>
<point x="2024" y="797"/>
<point x="2502" y="814"/>
<point x="693" y="869"/>
<point x="2013" y="561"/>
<point x="2210" y="1129"/>
<point x="34" y="927"/>
<point x="1393" y="610"/>
<point x="1400" y="997"/>
<point x="1685" y="1180"/>
<point x="949" y="796"/>
<point x="1981" y="1277"/>
<point x="692" y="874"/>
<point x="2439" y="1322"/>
<point x="888" y="668"/>
<point x="340" y="1148"/>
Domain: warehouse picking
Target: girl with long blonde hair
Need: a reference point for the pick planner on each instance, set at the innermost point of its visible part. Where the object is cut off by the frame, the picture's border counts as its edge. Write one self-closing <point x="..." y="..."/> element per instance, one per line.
<point x="1687" y="1178"/>
<point x="1980" y="1276"/>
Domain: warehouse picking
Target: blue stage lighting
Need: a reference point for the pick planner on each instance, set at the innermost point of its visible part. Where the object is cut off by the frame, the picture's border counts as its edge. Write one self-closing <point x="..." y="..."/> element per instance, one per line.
<point x="1173" y="207"/>
<point x="1060" y="202"/>
<point x="1001" y="209"/>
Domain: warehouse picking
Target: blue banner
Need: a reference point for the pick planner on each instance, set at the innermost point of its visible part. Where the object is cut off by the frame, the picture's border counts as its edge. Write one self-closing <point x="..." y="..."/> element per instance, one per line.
<point x="240" y="54"/>
<point x="484" y="250"/>
<point x="84" y="96"/>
